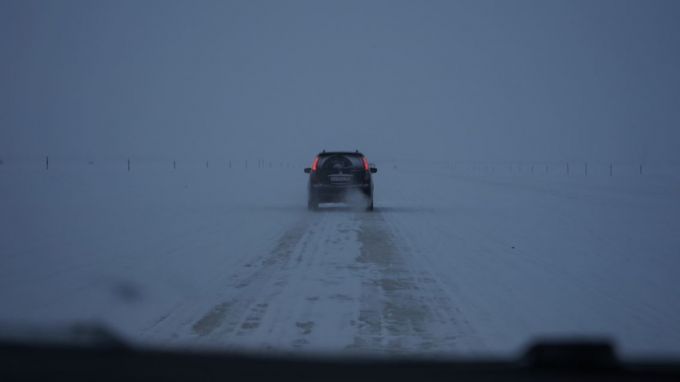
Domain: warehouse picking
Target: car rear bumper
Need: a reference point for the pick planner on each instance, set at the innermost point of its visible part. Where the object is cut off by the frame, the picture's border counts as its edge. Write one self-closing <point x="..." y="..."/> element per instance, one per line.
<point x="336" y="193"/>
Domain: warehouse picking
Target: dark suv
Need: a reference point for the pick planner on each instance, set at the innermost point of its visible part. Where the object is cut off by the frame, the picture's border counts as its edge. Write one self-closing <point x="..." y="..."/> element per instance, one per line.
<point x="340" y="176"/>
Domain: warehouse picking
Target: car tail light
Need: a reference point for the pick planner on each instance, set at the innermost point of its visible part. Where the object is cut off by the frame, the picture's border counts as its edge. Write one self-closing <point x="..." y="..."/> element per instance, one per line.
<point x="315" y="163"/>
<point x="365" y="163"/>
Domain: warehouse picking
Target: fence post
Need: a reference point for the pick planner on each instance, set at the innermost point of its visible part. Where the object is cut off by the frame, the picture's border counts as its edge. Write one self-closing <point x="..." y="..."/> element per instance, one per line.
<point x="174" y="164"/>
<point x="47" y="162"/>
<point x="206" y="164"/>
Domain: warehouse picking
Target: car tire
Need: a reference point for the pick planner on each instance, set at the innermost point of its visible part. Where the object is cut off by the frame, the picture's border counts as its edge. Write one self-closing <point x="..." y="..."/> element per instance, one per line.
<point x="312" y="203"/>
<point x="369" y="207"/>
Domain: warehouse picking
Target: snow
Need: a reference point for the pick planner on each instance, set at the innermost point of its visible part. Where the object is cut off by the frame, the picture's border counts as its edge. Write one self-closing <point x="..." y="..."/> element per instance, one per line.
<point x="453" y="261"/>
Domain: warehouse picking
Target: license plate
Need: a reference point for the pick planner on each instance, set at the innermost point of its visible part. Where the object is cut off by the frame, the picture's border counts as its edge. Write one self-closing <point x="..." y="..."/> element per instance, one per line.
<point x="340" y="178"/>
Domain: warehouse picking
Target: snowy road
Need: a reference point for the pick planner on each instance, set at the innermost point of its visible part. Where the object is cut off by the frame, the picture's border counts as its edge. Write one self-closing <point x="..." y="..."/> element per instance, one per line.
<point x="448" y="263"/>
<point x="337" y="279"/>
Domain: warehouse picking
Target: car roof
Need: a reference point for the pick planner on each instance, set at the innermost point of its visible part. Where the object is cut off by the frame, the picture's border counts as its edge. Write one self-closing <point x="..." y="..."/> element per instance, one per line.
<point x="341" y="153"/>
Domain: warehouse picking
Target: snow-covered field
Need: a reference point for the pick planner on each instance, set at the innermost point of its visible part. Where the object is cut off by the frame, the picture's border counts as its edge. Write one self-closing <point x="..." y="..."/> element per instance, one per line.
<point x="450" y="262"/>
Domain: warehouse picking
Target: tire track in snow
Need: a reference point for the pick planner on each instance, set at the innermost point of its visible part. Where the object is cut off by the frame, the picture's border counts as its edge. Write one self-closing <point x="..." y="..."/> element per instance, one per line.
<point x="403" y="308"/>
<point x="286" y="303"/>
<point x="316" y="306"/>
<point x="241" y="311"/>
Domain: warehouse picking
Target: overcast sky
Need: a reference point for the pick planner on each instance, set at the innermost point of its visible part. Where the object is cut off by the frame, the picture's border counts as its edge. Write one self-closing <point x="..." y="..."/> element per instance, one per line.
<point x="465" y="80"/>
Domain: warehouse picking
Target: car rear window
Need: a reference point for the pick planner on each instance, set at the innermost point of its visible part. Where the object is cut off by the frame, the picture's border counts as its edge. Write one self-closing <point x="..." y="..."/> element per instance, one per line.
<point x="345" y="161"/>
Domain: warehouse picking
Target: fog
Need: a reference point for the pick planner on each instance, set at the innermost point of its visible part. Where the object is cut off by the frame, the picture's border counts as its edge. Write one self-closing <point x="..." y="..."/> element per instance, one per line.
<point x="561" y="221"/>
<point x="456" y="80"/>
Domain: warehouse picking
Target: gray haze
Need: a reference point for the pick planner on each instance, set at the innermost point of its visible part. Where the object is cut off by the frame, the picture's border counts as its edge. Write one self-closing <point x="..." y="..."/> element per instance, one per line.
<point x="465" y="80"/>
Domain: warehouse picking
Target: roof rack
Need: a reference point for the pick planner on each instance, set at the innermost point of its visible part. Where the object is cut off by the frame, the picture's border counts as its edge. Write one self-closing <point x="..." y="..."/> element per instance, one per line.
<point x="340" y="152"/>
